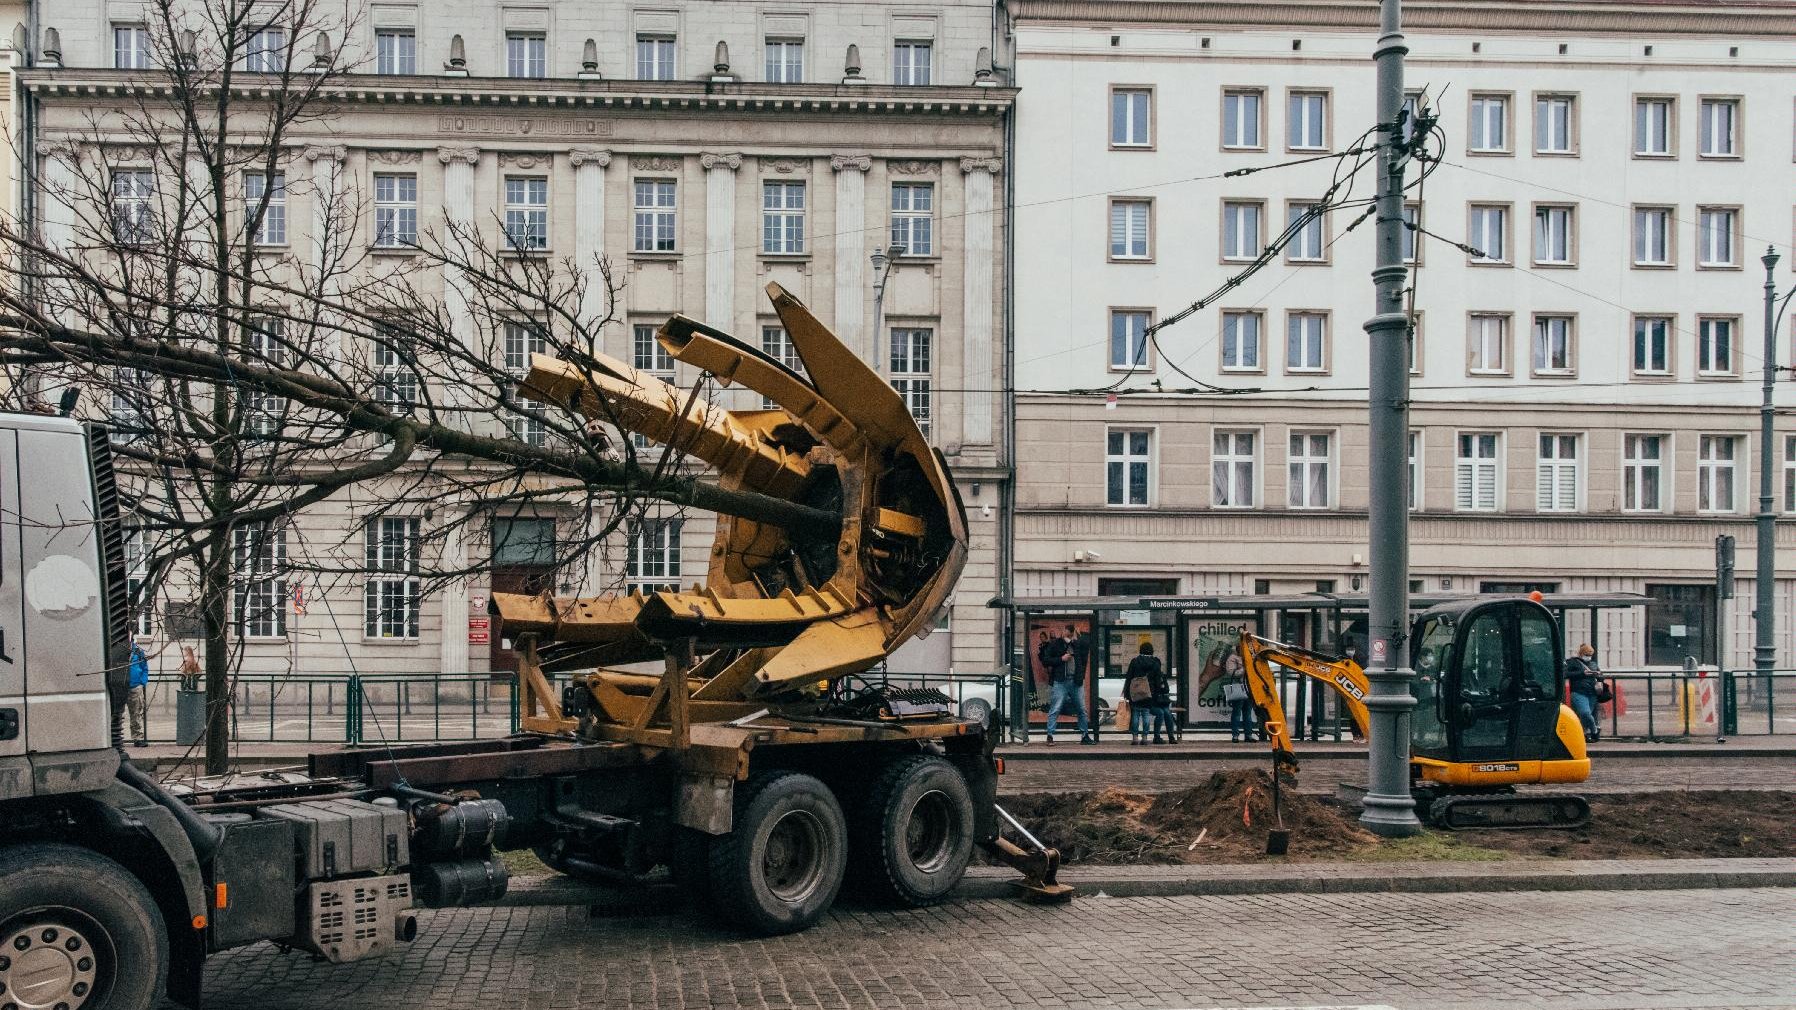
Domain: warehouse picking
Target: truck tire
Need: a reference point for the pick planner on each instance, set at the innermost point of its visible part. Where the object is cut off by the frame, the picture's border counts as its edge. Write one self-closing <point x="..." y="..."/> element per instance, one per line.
<point x="77" y="929"/>
<point x="779" y="868"/>
<point x="914" y="833"/>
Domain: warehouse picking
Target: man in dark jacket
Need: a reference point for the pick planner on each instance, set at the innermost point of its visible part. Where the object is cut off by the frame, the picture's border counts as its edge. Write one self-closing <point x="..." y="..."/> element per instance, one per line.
<point x="1065" y="683"/>
<point x="1582" y="673"/>
<point x="1145" y="670"/>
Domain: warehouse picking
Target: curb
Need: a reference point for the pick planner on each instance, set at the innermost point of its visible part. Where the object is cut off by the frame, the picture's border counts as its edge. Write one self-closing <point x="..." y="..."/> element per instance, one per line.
<point x="1327" y="752"/>
<point x="989" y="882"/>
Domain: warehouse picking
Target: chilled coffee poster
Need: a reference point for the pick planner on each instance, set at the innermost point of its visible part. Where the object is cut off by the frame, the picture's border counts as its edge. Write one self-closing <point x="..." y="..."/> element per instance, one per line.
<point x="1213" y="656"/>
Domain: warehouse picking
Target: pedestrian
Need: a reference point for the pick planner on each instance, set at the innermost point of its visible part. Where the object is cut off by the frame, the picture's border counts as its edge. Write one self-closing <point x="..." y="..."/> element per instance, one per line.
<point x="138" y="701"/>
<point x="1241" y="707"/>
<point x="1066" y="685"/>
<point x="1162" y="685"/>
<point x="1585" y="679"/>
<point x="1138" y="688"/>
<point x="190" y="669"/>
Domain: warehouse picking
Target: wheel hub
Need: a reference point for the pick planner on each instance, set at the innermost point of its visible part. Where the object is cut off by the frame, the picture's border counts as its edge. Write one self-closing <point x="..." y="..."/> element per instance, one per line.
<point x="927" y="835"/>
<point x="45" y="965"/>
<point x="792" y="863"/>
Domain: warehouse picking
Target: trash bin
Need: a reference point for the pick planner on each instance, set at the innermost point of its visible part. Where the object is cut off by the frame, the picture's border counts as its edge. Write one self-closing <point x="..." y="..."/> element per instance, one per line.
<point x="190" y="717"/>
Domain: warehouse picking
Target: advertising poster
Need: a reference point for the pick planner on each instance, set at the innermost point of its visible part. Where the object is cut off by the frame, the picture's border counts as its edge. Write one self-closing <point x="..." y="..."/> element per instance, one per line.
<point x="1212" y="654"/>
<point x="1043" y="631"/>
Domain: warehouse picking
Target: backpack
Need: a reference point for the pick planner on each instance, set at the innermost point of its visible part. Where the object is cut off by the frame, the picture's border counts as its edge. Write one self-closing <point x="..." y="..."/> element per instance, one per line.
<point x="1140" y="689"/>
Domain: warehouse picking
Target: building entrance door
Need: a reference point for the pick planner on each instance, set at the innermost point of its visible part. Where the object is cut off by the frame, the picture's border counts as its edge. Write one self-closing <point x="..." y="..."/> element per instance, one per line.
<point x="523" y="562"/>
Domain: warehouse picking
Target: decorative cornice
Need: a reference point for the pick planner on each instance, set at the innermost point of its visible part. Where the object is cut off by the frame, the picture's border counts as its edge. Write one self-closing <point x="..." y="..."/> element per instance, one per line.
<point x="525" y="159"/>
<point x="466" y="155"/>
<point x="913" y="166"/>
<point x="326" y="152"/>
<point x="785" y="166"/>
<point x="1708" y="18"/>
<point x="589" y="156"/>
<point x="396" y="157"/>
<point x="845" y="162"/>
<point x="971" y="165"/>
<point x="729" y="161"/>
<point x="655" y="163"/>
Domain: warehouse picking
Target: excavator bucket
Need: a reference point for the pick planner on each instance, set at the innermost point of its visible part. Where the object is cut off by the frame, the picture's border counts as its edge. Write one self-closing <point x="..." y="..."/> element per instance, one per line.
<point x="784" y="612"/>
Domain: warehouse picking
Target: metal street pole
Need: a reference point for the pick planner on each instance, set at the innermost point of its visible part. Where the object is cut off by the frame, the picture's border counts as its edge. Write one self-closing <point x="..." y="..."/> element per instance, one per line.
<point x="1764" y="616"/>
<point x="1389" y="809"/>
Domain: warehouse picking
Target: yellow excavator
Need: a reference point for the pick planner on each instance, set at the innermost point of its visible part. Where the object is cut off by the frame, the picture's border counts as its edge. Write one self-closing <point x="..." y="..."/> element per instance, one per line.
<point x="1488" y="715"/>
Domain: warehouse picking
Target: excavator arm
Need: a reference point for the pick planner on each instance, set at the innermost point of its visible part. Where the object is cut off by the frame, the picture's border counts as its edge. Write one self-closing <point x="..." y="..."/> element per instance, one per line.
<point x="1258" y="655"/>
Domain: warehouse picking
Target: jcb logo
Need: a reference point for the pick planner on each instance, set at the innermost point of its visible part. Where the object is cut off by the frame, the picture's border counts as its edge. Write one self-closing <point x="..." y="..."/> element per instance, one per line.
<point x="1349" y="687"/>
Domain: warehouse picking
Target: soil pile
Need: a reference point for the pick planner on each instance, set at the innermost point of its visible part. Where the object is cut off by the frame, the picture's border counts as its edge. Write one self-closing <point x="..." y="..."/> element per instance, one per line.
<point x="1724" y="823"/>
<point x="1223" y="820"/>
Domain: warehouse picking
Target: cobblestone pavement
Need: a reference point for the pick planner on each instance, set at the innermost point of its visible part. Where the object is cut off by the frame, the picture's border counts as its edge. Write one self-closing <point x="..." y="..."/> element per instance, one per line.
<point x="1320" y="775"/>
<point x="1513" y="951"/>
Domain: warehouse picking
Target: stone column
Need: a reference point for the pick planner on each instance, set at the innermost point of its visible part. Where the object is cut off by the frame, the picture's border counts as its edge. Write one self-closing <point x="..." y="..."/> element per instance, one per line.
<point x="328" y="221"/>
<point x="720" y="238"/>
<point x="61" y="170"/>
<point x="589" y="224"/>
<point x="452" y="655"/>
<point x="979" y="299"/>
<point x="852" y="246"/>
<point x="458" y="234"/>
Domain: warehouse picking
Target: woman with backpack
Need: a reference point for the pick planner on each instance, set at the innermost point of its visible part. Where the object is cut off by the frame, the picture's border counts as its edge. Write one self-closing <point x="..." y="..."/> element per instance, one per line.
<point x="1138" y="688"/>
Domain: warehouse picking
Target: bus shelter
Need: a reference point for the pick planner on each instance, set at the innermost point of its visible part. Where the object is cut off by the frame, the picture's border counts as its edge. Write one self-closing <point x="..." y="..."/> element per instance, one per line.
<point x="1196" y="638"/>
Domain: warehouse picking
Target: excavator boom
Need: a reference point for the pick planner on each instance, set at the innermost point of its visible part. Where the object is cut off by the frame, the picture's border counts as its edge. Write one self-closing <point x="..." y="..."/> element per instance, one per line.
<point x="1258" y="655"/>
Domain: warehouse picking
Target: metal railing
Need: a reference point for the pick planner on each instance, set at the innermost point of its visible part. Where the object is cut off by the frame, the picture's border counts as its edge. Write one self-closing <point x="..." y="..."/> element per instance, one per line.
<point x="1674" y="704"/>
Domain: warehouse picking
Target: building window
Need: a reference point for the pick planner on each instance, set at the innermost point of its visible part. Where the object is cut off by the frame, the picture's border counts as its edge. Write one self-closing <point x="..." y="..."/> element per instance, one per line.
<point x="1131" y="224"/>
<point x="137" y="575"/>
<point x="1554" y="237"/>
<point x="1680" y="624"/>
<point x="1715" y="230"/>
<point x="1234" y="456"/>
<point x="395" y="210"/>
<point x="1642" y="457"/>
<point x="785" y="61"/>
<point x="910" y="371"/>
<point x="1128" y="465"/>
<point x="1415" y="471"/>
<point x="522" y="339"/>
<point x="1241" y="230"/>
<point x="782" y="218"/>
<point x="913" y="218"/>
<point x="1128" y="339"/>
<point x="654" y="57"/>
<point x="1555" y="123"/>
<point x="776" y="343"/>
<point x="1131" y="117"/>
<point x="1557" y="474"/>
<point x="1553" y="346"/>
<point x="1241" y="120"/>
<point x="1790" y="473"/>
<point x="647" y="354"/>
<point x="395" y="377"/>
<point x="1718" y="128"/>
<point x="270" y="199"/>
<point x="1309" y="486"/>
<point x="654" y="562"/>
<point x="133" y="205"/>
<point x="1307" y="121"/>
<point x="264" y="344"/>
<point x="265" y="52"/>
<point x="1490" y="124"/>
<point x="1306" y="342"/>
<point x="395" y="51"/>
<point x="1304" y="226"/>
<point x="1652" y="236"/>
<point x="1715" y="473"/>
<point x="259" y="580"/>
<point x="131" y="47"/>
<point x="525" y="55"/>
<point x="390" y="596"/>
<point x="1488" y="345"/>
<point x="1490" y="233"/>
<point x="1241" y="341"/>
<point x="1652" y="345"/>
<point x="911" y="62"/>
<point x="526" y="212"/>
<point x="1654" y="121"/>
<point x="655" y="212"/>
<point x="131" y="405"/>
<point x="1715" y="345"/>
<point x="1475" y="472"/>
<point x="1412" y="233"/>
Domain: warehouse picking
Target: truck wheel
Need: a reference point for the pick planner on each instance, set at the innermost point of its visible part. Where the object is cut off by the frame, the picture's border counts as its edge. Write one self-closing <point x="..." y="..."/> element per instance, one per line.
<point x="779" y="868"/>
<point x="914" y="836"/>
<point x="77" y="931"/>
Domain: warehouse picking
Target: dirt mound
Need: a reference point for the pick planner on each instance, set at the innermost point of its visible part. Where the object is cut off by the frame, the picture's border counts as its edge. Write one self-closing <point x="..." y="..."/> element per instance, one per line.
<point x="1686" y="824"/>
<point x="1225" y="819"/>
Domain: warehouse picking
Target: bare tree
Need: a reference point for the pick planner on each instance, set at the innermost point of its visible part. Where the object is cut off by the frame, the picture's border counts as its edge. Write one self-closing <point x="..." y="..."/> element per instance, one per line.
<point x="248" y="377"/>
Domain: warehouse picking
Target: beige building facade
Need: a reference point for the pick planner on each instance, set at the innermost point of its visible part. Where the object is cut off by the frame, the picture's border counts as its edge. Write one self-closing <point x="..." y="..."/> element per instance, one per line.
<point x="698" y="182"/>
<point x="1585" y="384"/>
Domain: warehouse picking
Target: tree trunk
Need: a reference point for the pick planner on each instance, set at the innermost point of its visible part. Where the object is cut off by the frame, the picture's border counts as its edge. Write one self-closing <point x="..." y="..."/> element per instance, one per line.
<point x="215" y="610"/>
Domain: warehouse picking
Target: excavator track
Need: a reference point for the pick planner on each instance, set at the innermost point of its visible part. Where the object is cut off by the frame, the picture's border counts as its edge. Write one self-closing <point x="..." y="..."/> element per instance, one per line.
<point x="1509" y="810"/>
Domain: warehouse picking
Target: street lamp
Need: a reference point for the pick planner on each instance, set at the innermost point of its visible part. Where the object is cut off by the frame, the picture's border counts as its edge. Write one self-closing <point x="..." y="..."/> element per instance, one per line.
<point x="1764" y="619"/>
<point x="883" y="262"/>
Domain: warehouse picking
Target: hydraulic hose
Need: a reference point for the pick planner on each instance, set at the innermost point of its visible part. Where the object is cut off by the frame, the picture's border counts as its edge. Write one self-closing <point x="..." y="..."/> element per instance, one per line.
<point x="205" y="837"/>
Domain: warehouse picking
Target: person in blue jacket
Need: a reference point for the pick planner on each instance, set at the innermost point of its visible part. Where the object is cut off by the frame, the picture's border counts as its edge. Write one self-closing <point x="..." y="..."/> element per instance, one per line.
<point x="138" y="701"/>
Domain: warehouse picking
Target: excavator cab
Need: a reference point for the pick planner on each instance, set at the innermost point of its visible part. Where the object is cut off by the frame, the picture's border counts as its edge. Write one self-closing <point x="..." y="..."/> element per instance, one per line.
<point x="1488" y="688"/>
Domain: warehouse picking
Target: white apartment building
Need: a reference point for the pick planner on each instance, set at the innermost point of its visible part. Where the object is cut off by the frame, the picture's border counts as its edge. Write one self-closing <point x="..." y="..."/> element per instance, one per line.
<point x="703" y="149"/>
<point x="1585" y="389"/>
